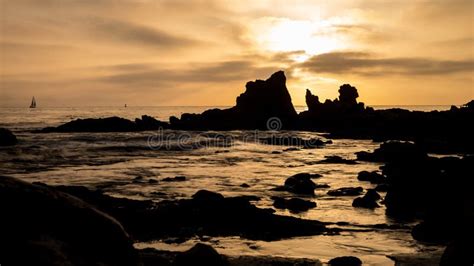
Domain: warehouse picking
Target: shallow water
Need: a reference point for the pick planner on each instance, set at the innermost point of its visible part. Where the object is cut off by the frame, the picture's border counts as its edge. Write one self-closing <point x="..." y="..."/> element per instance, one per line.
<point x="112" y="160"/>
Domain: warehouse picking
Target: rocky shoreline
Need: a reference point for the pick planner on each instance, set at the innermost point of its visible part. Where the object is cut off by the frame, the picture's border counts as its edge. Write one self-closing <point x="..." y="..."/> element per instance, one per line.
<point x="75" y="225"/>
<point x="266" y="104"/>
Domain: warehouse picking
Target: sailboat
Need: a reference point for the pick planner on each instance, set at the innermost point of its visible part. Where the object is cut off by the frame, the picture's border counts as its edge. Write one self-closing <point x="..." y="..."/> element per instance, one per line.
<point x="33" y="103"/>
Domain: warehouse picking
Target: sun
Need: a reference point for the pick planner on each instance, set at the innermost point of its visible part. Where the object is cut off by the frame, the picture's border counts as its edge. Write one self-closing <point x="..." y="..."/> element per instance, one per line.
<point x="285" y="35"/>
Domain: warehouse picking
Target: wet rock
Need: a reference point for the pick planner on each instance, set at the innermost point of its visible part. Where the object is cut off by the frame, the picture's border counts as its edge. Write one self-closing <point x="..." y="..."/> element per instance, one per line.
<point x="346" y="191"/>
<point x="345" y="261"/>
<point x="373" y="177"/>
<point x="7" y="138"/>
<point x="337" y="160"/>
<point x="293" y="204"/>
<point x="300" y="184"/>
<point x="369" y="200"/>
<point x="200" y="254"/>
<point x="174" y="179"/>
<point x="206" y="195"/>
<point x="43" y="226"/>
<point x="206" y="213"/>
<point x="393" y="151"/>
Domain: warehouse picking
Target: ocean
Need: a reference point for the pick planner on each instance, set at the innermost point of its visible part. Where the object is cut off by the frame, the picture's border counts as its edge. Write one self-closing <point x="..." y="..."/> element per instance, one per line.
<point x="112" y="161"/>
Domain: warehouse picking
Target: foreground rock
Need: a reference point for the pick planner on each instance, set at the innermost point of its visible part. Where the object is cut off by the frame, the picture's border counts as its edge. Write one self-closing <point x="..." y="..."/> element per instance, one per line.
<point x="208" y="256"/>
<point x="345" y="261"/>
<point x="109" y="124"/>
<point x="207" y="213"/>
<point x="42" y="226"/>
<point x="7" y="138"/>
<point x="427" y="188"/>
<point x="200" y="254"/>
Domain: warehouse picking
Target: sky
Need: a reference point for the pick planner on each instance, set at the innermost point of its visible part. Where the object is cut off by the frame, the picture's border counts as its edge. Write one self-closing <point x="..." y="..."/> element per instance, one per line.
<point x="201" y="53"/>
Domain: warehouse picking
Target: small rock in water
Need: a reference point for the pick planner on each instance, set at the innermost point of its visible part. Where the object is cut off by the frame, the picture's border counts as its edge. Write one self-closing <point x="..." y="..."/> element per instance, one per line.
<point x="300" y="184"/>
<point x="293" y="204"/>
<point x="369" y="200"/>
<point x="345" y="261"/>
<point x="200" y="254"/>
<point x="337" y="160"/>
<point x="174" y="179"/>
<point x="346" y="191"/>
<point x="372" y="177"/>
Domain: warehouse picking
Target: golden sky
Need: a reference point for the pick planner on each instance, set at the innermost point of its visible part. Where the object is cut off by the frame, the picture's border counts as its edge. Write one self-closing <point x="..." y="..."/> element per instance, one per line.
<point x="195" y="52"/>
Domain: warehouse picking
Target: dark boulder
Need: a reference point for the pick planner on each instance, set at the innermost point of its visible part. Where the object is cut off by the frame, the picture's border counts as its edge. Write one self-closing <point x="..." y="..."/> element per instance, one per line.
<point x="300" y="184"/>
<point x="43" y="226"/>
<point x="394" y="151"/>
<point x="368" y="201"/>
<point x="179" y="178"/>
<point x="334" y="159"/>
<point x="200" y="254"/>
<point x="346" y="191"/>
<point x="345" y="261"/>
<point x="7" y="138"/>
<point x="293" y="204"/>
<point x="373" y="177"/>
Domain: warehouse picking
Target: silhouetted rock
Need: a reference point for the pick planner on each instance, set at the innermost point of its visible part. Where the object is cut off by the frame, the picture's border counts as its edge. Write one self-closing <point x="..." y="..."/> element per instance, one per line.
<point x="200" y="254"/>
<point x="345" y="261"/>
<point x="457" y="253"/>
<point x="261" y="101"/>
<point x="346" y="191"/>
<point x="337" y="160"/>
<point x="312" y="101"/>
<point x="43" y="226"/>
<point x="7" y="138"/>
<point x="369" y="200"/>
<point x="300" y="184"/>
<point x="293" y="204"/>
<point x="373" y="177"/>
<point x="109" y="124"/>
<point x="174" y="179"/>
<point x="207" y="213"/>
<point x="394" y="151"/>
<point x="149" y="123"/>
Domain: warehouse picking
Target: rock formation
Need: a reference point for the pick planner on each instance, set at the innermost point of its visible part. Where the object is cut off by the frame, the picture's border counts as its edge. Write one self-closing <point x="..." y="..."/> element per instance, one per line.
<point x="43" y="226"/>
<point x="262" y="100"/>
<point x="7" y="138"/>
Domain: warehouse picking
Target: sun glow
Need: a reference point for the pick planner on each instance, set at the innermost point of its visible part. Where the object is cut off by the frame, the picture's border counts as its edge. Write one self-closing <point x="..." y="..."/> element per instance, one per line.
<point x="309" y="37"/>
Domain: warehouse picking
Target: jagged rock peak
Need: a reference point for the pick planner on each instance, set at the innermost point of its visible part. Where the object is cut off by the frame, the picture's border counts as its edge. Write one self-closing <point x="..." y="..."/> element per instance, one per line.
<point x="348" y="94"/>
<point x="312" y="101"/>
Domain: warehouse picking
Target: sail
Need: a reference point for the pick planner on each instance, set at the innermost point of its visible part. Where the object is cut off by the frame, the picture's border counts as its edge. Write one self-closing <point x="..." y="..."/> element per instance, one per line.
<point x="33" y="103"/>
